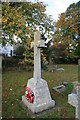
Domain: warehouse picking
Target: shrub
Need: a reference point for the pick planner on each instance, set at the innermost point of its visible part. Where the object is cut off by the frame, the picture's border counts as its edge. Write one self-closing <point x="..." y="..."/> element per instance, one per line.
<point x="10" y="62"/>
<point x="69" y="88"/>
<point x="20" y="50"/>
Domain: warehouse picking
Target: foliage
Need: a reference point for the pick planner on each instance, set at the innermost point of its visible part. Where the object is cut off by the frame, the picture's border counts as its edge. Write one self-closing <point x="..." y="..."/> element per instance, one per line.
<point x="10" y="62"/>
<point x="69" y="88"/>
<point x="20" y="50"/>
<point x="21" y="19"/>
<point x="57" y="52"/>
<point x="67" y="29"/>
<point x="0" y="22"/>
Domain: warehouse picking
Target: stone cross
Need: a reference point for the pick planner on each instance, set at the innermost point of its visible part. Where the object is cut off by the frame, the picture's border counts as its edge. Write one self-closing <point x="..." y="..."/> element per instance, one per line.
<point x="37" y="44"/>
<point x="74" y="100"/>
<point x="78" y="93"/>
<point x="39" y="87"/>
<point x="78" y="106"/>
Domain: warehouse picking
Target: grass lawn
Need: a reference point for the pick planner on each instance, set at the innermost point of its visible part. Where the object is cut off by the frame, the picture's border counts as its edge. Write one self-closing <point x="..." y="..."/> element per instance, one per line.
<point x="15" y="81"/>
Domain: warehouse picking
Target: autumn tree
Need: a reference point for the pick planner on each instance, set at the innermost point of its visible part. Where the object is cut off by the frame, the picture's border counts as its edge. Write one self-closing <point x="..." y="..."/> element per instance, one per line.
<point x="0" y="22"/>
<point x="67" y="29"/>
<point x="21" y="19"/>
<point x="57" y="53"/>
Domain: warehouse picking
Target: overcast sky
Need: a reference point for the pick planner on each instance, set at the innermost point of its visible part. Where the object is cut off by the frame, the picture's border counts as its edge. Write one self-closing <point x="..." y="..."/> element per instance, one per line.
<point x="55" y="7"/>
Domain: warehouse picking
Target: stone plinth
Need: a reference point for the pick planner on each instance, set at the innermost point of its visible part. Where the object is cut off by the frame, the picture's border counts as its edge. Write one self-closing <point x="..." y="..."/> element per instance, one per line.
<point x="73" y="99"/>
<point x="42" y="98"/>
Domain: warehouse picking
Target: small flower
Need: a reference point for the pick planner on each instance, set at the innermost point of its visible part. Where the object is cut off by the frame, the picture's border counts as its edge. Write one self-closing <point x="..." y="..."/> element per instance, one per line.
<point x="12" y="104"/>
<point x="10" y="89"/>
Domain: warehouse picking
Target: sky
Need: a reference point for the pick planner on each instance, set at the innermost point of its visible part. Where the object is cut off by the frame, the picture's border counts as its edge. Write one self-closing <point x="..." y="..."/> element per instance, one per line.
<point x="56" y="7"/>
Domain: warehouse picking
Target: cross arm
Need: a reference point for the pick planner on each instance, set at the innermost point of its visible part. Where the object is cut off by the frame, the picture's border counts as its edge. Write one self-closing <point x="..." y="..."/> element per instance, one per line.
<point x="41" y="43"/>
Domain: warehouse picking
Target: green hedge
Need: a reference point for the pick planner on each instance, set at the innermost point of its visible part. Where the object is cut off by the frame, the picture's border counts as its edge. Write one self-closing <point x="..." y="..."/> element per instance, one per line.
<point x="10" y="62"/>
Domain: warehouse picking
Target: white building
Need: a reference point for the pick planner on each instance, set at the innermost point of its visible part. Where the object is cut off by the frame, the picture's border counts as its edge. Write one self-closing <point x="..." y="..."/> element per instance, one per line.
<point x="6" y="50"/>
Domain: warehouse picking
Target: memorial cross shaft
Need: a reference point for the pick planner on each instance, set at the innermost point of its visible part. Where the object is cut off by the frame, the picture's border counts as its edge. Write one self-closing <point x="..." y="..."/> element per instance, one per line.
<point x="42" y="99"/>
<point x="37" y="44"/>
